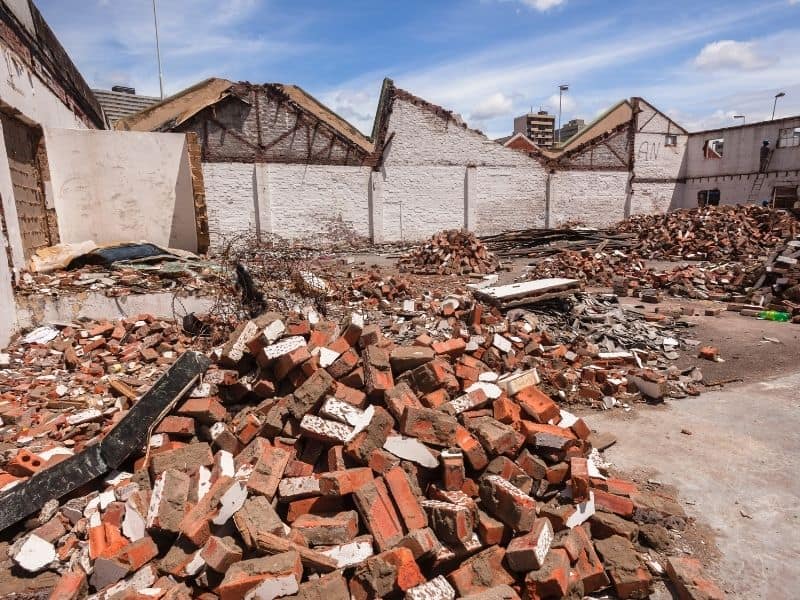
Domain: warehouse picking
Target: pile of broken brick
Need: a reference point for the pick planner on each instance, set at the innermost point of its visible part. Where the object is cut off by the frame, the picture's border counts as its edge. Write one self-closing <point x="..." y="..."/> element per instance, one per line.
<point x="712" y="233"/>
<point x="325" y="459"/>
<point x="452" y="252"/>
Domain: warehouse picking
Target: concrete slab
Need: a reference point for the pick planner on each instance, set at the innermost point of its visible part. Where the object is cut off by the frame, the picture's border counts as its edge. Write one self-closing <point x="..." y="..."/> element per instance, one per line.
<point x="743" y="457"/>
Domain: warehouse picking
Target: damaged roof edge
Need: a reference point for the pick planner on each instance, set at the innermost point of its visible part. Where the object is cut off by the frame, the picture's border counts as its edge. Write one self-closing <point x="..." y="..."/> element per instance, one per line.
<point x="175" y="109"/>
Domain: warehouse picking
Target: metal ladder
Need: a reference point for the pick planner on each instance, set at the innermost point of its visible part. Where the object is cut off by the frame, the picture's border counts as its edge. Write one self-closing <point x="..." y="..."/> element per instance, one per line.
<point x="755" y="190"/>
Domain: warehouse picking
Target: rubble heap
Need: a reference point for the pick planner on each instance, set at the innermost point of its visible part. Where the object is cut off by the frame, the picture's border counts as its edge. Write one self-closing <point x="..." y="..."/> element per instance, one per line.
<point x="328" y="460"/>
<point x="777" y="281"/>
<point x="453" y="252"/>
<point x="710" y="233"/>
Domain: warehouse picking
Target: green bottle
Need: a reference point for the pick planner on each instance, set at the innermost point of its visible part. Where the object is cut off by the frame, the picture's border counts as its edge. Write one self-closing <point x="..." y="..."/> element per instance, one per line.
<point x="773" y="315"/>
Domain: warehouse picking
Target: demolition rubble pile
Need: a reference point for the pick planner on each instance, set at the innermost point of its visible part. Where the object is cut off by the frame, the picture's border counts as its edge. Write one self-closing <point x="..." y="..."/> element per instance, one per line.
<point x="453" y="252"/>
<point x="630" y="276"/>
<point x="326" y="460"/>
<point x="714" y="233"/>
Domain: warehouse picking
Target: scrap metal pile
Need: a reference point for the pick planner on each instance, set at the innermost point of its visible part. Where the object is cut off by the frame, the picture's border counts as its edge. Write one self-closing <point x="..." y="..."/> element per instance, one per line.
<point x="317" y="458"/>
<point x="453" y="252"/>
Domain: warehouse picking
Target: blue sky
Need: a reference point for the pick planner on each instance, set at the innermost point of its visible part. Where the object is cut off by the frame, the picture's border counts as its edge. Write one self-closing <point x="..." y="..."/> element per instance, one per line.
<point x="702" y="61"/>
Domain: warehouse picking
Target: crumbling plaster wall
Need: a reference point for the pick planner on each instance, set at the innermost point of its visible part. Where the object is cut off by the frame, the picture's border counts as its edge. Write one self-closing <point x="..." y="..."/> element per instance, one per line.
<point x="438" y="174"/>
<point x="25" y="95"/>
<point x="117" y="186"/>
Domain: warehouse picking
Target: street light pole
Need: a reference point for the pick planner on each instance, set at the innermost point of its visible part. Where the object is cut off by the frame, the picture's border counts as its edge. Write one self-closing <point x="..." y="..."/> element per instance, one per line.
<point x="561" y="89"/>
<point x="775" y="103"/>
<point x="158" y="52"/>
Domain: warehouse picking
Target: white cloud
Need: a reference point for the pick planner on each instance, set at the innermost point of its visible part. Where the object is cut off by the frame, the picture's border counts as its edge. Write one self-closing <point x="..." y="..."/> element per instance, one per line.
<point x="568" y="103"/>
<point x="114" y="42"/>
<point x="540" y="5"/>
<point x="496" y="105"/>
<point x="730" y="54"/>
<point x="356" y="106"/>
<point x="543" y="5"/>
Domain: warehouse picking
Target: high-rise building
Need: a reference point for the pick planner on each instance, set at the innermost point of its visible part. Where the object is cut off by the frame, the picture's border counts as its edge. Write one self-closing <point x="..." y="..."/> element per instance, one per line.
<point x="570" y="129"/>
<point x="538" y="127"/>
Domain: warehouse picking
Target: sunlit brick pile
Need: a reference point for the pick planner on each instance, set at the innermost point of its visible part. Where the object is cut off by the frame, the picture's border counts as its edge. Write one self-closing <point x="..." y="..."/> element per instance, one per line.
<point x="324" y="460"/>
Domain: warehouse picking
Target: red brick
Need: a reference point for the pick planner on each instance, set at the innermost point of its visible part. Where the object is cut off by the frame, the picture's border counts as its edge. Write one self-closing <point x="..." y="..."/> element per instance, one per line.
<point x="690" y="581"/>
<point x="328" y="530"/>
<point x="552" y="579"/>
<point x="528" y="552"/>
<point x="472" y="449"/>
<point x="453" y="474"/>
<point x="318" y="505"/>
<point x="341" y="483"/>
<point x="537" y="404"/>
<point x="71" y="586"/>
<point x="481" y="572"/>
<point x="221" y="553"/>
<point x="206" y="410"/>
<point x="177" y="426"/>
<point x="430" y="426"/>
<point x="376" y="509"/>
<point x="406" y="501"/>
<point x="508" y="503"/>
<point x="289" y="361"/>
<point x="630" y="578"/>
<point x="579" y="479"/>
<point x="400" y="397"/>
<point x="490" y="530"/>
<point x="613" y="504"/>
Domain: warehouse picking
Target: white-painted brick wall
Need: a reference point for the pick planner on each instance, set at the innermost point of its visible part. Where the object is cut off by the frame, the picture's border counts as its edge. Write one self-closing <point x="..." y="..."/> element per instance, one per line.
<point x="510" y="198"/>
<point x="305" y="199"/>
<point x="418" y="201"/>
<point x="423" y="138"/>
<point x="656" y="198"/>
<point x="594" y="198"/>
<point x="230" y="200"/>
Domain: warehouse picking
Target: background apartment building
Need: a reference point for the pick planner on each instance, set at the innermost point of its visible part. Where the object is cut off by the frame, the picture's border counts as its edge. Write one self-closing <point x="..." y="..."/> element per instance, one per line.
<point x="538" y="127"/>
<point x="570" y="129"/>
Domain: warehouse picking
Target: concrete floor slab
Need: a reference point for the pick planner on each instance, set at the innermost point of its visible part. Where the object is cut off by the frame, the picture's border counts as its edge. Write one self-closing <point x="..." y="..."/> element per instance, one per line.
<point x="738" y="472"/>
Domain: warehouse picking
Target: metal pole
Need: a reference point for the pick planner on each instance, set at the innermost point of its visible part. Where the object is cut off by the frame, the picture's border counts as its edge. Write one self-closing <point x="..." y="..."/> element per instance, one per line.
<point x="774" y="104"/>
<point x="560" y="91"/>
<point x="158" y="52"/>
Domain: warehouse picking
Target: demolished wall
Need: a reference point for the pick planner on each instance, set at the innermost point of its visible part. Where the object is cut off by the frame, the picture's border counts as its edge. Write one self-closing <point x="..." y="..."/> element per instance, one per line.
<point x="111" y="186"/>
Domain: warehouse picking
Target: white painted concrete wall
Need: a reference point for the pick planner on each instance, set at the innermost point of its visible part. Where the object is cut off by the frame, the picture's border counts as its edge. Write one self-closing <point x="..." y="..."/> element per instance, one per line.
<point x="117" y="186"/>
<point x="736" y="189"/>
<point x="21" y="89"/>
<point x="593" y="198"/>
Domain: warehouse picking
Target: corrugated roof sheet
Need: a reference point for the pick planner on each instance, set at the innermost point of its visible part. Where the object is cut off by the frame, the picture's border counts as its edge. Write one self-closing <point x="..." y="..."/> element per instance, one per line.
<point x="118" y="105"/>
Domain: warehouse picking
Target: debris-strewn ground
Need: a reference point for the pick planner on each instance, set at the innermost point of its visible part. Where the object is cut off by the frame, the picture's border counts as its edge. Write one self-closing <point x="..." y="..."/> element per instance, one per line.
<point x="366" y="433"/>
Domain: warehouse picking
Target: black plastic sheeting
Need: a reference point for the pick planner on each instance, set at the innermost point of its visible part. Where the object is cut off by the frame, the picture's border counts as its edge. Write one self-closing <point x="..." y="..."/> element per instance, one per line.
<point x="123" y="252"/>
<point x="129" y="435"/>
